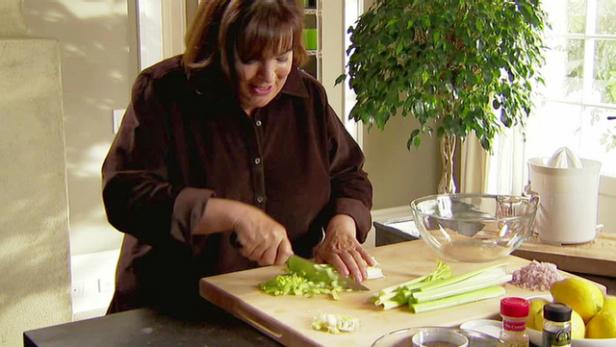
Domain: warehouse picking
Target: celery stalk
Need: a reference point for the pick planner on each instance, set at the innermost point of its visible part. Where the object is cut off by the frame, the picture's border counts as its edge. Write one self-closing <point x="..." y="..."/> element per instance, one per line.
<point x="411" y="283"/>
<point x="400" y="293"/>
<point x="480" y="294"/>
<point x="458" y="278"/>
<point x="485" y="279"/>
<point x="440" y="288"/>
<point x="389" y="304"/>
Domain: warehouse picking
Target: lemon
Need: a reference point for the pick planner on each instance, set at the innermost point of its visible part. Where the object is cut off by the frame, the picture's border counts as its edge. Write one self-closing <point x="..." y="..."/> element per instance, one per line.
<point x="581" y="295"/>
<point x="609" y="304"/>
<point x="578" y="330"/>
<point x="535" y="313"/>
<point x="602" y="326"/>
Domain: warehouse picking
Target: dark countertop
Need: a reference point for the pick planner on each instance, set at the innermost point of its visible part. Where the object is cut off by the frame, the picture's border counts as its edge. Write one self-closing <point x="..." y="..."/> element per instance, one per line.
<point x="146" y="327"/>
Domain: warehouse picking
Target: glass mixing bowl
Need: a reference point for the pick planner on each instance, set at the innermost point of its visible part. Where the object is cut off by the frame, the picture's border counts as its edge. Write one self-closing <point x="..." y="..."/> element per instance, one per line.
<point x="474" y="227"/>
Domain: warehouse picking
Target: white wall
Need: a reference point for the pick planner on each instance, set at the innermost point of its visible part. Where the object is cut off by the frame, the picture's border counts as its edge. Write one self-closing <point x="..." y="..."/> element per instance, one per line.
<point x="97" y="46"/>
<point x="34" y="247"/>
<point x="99" y="64"/>
<point x="332" y="39"/>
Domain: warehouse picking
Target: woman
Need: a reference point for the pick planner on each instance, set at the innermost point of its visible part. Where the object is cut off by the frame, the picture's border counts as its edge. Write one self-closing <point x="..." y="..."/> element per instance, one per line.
<point x="231" y="143"/>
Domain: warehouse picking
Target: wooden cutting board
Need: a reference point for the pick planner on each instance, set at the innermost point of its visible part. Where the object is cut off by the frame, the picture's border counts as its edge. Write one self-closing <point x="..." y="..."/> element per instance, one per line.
<point x="597" y="257"/>
<point x="288" y="319"/>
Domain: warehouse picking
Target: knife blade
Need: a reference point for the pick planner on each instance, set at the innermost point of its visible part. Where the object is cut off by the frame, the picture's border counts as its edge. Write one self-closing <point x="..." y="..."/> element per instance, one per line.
<point x="311" y="270"/>
<point x="321" y="273"/>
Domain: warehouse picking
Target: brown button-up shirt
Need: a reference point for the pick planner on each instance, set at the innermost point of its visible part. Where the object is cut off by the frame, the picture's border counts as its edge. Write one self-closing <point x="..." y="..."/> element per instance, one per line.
<point x="184" y="140"/>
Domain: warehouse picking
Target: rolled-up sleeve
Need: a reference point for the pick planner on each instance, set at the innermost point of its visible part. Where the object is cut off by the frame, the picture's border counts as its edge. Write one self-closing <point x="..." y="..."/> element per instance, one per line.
<point x="350" y="187"/>
<point x="138" y="195"/>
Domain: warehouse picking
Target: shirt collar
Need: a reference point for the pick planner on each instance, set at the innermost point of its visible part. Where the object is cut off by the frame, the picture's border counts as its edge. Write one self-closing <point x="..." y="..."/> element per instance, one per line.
<point x="295" y="84"/>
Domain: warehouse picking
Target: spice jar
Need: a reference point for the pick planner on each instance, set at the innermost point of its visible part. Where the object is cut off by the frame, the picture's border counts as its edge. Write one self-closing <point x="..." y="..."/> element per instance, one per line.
<point x="556" y="325"/>
<point x="514" y="312"/>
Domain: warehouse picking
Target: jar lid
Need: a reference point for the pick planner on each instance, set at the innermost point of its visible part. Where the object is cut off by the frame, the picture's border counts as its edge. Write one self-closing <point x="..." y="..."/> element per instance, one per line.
<point x="514" y="307"/>
<point x="557" y="312"/>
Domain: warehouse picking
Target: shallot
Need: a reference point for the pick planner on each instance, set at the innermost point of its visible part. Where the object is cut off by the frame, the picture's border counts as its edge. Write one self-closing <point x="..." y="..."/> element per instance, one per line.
<point x="536" y="276"/>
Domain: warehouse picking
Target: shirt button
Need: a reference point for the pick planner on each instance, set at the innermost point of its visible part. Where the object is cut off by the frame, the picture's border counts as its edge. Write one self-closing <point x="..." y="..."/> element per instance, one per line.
<point x="257" y="161"/>
<point x="258" y="123"/>
<point x="260" y="199"/>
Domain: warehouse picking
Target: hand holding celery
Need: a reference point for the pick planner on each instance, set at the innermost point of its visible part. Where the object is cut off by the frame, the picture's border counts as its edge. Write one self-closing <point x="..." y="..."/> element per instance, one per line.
<point x="440" y="289"/>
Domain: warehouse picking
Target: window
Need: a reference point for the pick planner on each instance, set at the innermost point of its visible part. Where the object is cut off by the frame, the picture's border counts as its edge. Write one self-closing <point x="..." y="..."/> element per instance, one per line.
<point x="577" y="105"/>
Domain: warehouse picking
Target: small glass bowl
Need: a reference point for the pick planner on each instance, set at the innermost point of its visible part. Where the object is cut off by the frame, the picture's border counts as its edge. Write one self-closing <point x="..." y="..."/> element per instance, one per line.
<point x="404" y="337"/>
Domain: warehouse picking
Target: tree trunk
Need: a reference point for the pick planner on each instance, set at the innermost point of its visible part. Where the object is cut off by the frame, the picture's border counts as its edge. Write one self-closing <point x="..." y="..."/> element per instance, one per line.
<point x="448" y="147"/>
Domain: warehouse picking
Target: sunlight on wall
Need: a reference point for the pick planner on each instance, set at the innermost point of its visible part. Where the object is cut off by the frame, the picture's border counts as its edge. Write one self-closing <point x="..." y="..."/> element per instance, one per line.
<point x="93" y="226"/>
<point x="34" y="251"/>
<point x="86" y="9"/>
<point x="71" y="49"/>
<point x="90" y="162"/>
<point x="150" y="32"/>
<point x="98" y="67"/>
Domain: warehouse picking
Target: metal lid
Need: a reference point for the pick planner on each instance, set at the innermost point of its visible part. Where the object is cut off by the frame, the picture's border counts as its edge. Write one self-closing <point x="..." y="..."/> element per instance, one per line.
<point x="557" y="312"/>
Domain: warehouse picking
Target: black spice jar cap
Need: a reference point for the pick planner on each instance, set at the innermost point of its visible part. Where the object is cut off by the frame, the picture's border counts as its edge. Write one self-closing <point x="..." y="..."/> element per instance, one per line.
<point x="557" y="312"/>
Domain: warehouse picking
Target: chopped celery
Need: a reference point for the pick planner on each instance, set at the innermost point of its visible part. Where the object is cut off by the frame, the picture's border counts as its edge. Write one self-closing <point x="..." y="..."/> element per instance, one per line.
<point x="334" y="324"/>
<point x="304" y="278"/>
<point x="294" y="284"/>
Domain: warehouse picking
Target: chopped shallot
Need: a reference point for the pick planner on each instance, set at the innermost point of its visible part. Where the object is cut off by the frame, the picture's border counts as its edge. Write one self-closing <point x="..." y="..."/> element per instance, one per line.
<point x="536" y="276"/>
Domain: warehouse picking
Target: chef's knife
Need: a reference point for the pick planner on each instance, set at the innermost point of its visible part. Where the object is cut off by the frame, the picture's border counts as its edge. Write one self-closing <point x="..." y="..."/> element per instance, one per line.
<point x="312" y="271"/>
<point x="321" y="273"/>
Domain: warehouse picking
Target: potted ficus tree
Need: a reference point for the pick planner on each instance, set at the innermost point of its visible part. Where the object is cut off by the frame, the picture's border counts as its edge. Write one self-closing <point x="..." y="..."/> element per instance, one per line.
<point x="455" y="66"/>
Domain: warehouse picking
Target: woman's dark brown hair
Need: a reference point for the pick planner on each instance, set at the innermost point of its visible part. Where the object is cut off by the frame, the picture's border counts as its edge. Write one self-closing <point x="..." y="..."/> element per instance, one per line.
<point x="249" y="27"/>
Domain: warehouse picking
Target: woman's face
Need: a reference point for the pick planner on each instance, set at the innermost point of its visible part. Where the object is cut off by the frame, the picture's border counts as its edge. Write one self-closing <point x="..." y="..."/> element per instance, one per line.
<point x="261" y="79"/>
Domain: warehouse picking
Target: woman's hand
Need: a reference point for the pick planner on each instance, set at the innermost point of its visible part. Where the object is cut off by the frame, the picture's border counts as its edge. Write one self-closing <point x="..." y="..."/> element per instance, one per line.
<point x="341" y="249"/>
<point x="262" y="239"/>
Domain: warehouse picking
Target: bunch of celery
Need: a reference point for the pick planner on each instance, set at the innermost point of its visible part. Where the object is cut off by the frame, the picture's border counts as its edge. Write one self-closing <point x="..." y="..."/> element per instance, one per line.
<point x="441" y="289"/>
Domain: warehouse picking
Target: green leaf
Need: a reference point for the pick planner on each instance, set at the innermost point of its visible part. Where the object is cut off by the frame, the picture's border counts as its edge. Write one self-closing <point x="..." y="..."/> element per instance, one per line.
<point x="412" y="137"/>
<point x="417" y="141"/>
<point x="430" y="60"/>
<point x="340" y="79"/>
<point x="391" y="22"/>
